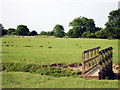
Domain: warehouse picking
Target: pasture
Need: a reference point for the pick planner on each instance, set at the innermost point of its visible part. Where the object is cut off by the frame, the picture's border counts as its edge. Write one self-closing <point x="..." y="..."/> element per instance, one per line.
<point x="51" y="50"/>
<point x="27" y="80"/>
<point x="46" y="51"/>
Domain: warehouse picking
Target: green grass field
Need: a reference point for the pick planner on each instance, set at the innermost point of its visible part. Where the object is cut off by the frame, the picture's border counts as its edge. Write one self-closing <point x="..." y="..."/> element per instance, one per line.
<point x="48" y="51"/>
<point x="27" y="80"/>
<point x="51" y="50"/>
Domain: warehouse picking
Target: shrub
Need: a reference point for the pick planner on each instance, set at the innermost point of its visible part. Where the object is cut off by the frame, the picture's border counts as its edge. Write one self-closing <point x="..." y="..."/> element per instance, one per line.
<point x="79" y="73"/>
<point x="80" y="64"/>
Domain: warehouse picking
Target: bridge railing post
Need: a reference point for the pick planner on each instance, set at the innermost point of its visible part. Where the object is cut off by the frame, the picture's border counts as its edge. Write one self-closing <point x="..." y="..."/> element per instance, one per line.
<point x="89" y="60"/>
<point x="83" y="64"/>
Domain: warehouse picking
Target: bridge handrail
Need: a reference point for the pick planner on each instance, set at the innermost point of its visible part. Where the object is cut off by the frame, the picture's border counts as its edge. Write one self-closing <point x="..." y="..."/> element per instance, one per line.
<point x="90" y="62"/>
<point x="101" y="59"/>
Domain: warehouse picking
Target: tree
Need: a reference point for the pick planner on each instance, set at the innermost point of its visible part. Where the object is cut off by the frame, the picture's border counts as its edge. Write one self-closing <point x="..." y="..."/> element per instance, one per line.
<point x="4" y="31"/>
<point x="50" y="33"/>
<point x="43" y="33"/>
<point x="1" y="28"/>
<point x="80" y="25"/>
<point x="70" y="33"/>
<point x="103" y="33"/>
<point x="86" y="34"/>
<point x="97" y="29"/>
<point x="113" y="24"/>
<point x="22" y="30"/>
<point x="92" y="35"/>
<point x="14" y="33"/>
<point x="73" y="33"/>
<point x="10" y="30"/>
<point x="33" y="33"/>
<point x="58" y="31"/>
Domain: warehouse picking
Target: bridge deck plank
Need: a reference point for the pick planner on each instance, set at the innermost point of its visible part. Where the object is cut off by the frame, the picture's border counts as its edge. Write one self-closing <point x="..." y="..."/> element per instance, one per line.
<point x="94" y="72"/>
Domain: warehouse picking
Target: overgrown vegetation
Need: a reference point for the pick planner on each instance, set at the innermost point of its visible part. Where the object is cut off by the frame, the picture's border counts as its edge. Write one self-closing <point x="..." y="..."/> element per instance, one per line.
<point x="56" y="71"/>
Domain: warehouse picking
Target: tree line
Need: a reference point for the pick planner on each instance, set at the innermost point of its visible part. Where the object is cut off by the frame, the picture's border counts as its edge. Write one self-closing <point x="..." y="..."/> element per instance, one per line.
<point x="80" y="27"/>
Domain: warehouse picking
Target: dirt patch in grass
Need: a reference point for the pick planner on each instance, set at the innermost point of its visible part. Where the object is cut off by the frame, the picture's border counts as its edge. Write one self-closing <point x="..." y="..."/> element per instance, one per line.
<point x="116" y="68"/>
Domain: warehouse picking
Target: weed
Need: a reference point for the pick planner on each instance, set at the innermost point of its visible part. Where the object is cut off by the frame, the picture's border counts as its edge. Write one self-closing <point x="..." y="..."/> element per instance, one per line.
<point x="4" y="42"/>
<point x="49" y="47"/>
<point x="41" y="46"/>
<point x="44" y="70"/>
<point x="76" y="44"/>
<point x="79" y="73"/>
<point x="80" y="46"/>
<point x="27" y="46"/>
<point x="80" y="64"/>
<point x="7" y="45"/>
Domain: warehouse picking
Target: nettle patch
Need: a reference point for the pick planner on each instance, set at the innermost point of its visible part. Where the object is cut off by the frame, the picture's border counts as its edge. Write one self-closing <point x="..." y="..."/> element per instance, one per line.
<point x="57" y="70"/>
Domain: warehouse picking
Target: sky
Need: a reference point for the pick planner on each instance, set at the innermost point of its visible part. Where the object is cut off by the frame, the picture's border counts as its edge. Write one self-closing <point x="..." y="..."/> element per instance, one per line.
<point x="43" y="15"/>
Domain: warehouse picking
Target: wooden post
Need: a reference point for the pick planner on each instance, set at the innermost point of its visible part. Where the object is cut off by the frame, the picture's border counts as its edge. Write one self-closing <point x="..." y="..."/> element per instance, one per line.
<point x="83" y="64"/>
<point x="95" y="55"/>
<point x="88" y="57"/>
<point x="92" y="62"/>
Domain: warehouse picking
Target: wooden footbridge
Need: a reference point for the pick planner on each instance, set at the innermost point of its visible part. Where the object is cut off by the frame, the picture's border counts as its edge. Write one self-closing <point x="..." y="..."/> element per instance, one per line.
<point x="97" y="64"/>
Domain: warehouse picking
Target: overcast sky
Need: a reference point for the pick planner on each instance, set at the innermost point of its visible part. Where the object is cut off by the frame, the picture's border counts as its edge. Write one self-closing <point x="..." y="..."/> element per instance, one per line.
<point x="43" y="15"/>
